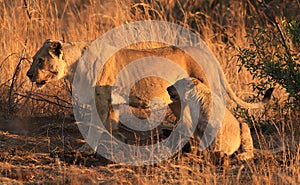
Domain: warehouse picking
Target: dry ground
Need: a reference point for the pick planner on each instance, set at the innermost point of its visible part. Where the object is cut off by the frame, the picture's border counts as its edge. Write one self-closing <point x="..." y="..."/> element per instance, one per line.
<point x="43" y="151"/>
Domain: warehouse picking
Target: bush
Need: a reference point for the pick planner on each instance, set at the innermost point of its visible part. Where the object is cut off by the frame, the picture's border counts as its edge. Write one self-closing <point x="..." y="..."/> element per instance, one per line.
<point x="273" y="58"/>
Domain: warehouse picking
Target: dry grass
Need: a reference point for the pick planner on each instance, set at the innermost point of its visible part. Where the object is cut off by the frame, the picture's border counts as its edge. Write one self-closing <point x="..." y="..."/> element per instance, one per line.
<point x="37" y="120"/>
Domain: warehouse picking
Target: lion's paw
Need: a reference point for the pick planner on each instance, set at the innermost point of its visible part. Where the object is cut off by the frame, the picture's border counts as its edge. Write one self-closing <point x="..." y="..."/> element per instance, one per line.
<point x="245" y="156"/>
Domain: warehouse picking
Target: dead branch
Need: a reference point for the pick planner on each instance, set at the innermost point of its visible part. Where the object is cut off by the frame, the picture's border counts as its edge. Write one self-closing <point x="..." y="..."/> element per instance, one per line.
<point x="6" y="58"/>
<point x="42" y="99"/>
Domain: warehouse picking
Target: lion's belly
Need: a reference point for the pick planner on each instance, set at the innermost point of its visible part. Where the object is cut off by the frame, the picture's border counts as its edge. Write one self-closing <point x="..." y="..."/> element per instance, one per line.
<point x="153" y="75"/>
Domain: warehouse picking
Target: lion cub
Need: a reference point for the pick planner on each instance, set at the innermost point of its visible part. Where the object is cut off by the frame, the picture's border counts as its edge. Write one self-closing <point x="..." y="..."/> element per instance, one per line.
<point x="230" y="137"/>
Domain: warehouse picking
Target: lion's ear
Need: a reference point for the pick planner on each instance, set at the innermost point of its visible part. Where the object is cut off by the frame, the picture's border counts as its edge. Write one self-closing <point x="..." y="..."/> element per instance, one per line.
<point x="55" y="48"/>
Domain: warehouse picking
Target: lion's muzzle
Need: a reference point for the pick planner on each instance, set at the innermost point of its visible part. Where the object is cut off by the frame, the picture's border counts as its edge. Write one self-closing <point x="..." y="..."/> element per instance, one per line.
<point x="39" y="83"/>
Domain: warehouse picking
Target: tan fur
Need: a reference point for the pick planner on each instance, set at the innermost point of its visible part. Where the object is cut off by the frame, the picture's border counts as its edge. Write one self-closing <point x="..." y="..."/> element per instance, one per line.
<point x="60" y="59"/>
<point x="231" y="135"/>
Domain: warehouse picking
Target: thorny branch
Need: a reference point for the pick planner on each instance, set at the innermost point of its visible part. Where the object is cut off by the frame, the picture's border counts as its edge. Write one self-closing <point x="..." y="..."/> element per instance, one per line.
<point x="17" y="70"/>
<point x="41" y="97"/>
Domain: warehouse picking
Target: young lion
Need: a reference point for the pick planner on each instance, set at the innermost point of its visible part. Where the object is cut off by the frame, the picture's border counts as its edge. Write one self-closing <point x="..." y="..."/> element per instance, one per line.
<point x="231" y="136"/>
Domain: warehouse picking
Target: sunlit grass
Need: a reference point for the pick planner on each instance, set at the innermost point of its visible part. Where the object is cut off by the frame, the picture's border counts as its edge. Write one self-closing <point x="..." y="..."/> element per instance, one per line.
<point x="222" y="25"/>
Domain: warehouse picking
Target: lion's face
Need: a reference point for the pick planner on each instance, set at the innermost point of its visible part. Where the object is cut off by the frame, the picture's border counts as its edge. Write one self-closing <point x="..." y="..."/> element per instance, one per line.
<point x="48" y="64"/>
<point x="182" y="88"/>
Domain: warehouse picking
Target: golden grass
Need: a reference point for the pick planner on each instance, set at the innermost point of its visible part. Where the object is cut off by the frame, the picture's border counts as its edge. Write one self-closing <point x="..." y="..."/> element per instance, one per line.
<point x="25" y="24"/>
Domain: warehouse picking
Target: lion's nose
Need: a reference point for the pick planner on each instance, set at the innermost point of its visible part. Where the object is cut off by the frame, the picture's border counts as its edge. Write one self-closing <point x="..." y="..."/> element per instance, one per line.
<point x="169" y="88"/>
<point x="29" y="74"/>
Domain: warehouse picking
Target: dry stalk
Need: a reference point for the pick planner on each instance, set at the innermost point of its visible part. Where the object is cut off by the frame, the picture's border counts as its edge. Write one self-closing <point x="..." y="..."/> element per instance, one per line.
<point x="275" y="20"/>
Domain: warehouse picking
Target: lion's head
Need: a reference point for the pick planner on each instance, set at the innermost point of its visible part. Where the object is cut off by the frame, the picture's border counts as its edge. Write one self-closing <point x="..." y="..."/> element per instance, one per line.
<point x="180" y="90"/>
<point x="188" y="91"/>
<point x="48" y="63"/>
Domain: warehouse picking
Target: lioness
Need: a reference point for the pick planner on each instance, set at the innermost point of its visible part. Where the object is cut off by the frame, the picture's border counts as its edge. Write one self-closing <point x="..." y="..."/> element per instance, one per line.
<point x="231" y="136"/>
<point x="56" y="60"/>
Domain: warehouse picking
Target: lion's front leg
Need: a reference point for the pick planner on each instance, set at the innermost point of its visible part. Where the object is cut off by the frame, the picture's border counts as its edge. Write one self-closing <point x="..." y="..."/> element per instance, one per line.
<point x="93" y="135"/>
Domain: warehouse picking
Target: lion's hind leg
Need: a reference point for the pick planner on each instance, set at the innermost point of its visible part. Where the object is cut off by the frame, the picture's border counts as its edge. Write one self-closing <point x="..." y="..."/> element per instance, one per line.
<point x="246" y="143"/>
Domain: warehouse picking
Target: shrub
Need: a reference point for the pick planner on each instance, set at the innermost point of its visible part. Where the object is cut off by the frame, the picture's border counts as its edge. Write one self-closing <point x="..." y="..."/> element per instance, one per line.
<point x="273" y="58"/>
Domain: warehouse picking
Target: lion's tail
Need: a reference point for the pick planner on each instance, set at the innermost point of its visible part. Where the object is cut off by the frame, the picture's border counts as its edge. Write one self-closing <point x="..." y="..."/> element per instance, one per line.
<point x="242" y="103"/>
